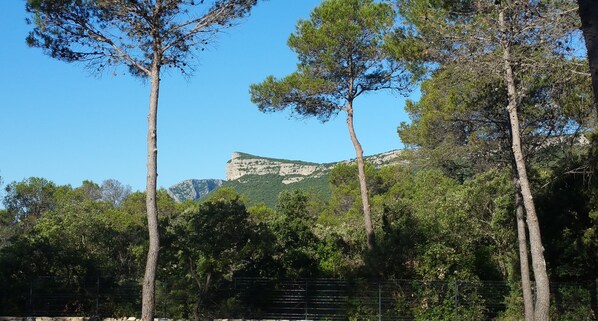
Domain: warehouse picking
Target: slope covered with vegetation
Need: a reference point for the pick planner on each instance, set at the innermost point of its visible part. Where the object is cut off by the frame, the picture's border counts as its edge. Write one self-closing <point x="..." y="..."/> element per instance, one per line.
<point x="266" y="188"/>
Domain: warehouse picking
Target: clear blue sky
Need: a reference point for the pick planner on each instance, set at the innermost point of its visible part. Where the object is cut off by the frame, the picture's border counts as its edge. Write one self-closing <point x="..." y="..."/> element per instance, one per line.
<point x="60" y="122"/>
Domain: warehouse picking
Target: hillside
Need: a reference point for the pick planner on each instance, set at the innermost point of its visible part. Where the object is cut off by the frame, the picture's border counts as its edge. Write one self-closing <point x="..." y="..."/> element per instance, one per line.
<point x="261" y="179"/>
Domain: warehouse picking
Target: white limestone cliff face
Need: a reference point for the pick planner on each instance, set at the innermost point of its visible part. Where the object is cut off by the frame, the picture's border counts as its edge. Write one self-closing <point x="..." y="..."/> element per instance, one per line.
<point x="242" y="164"/>
<point x="383" y="159"/>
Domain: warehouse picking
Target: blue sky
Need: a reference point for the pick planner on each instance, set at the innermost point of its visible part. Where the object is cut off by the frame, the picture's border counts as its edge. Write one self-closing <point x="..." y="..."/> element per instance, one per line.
<point x="63" y="123"/>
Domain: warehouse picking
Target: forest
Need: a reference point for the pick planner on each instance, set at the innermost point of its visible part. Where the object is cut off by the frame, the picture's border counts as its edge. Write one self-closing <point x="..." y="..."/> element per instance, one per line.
<point x="498" y="181"/>
<point x="432" y="223"/>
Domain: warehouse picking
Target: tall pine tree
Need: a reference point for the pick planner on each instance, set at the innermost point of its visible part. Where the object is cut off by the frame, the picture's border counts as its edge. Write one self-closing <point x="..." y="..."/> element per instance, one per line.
<point x="146" y="37"/>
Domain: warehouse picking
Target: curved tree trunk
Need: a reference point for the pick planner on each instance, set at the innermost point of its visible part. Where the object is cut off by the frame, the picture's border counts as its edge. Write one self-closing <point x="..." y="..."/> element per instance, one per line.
<point x="588" y="12"/>
<point x="365" y="200"/>
<point x="528" y="299"/>
<point x="148" y="300"/>
<point x="537" y="250"/>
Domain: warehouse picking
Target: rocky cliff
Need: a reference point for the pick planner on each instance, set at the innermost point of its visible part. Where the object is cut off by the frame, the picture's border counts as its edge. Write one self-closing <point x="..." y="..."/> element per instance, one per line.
<point x="262" y="178"/>
<point x="193" y="189"/>
<point x="242" y="164"/>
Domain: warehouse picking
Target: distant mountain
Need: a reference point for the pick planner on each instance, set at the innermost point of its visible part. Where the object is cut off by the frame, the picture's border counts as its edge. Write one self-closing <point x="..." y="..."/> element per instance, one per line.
<point x="261" y="179"/>
<point x="193" y="189"/>
<point x="293" y="171"/>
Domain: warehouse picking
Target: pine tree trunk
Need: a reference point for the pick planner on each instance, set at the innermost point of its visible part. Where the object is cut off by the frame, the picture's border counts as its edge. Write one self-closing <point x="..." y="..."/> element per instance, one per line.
<point x="588" y="12"/>
<point x="528" y="299"/>
<point x="537" y="250"/>
<point x="148" y="300"/>
<point x="365" y="200"/>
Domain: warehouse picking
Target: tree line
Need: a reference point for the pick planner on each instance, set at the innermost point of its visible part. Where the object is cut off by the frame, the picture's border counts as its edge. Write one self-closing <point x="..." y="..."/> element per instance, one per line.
<point x="432" y="223"/>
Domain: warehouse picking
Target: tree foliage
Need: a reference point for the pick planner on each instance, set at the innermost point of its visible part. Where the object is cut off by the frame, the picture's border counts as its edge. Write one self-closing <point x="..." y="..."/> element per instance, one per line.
<point x="106" y="34"/>
<point x="429" y="225"/>
<point x="460" y="124"/>
<point x="510" y="42"/>
<point x="341" y="55"/>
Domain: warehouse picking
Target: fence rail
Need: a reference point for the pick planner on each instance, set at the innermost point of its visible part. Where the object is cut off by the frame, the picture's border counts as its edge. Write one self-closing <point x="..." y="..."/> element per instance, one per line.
<point x="306" y="299"/>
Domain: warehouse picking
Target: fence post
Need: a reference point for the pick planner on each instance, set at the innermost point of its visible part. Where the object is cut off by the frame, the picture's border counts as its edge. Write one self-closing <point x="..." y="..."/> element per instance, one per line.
<point x="30" y="301"/>
<point x="306" y="298"/>
<point x="379" y="301"/>
<point x="165" y="299"/>
<point x="98" y="295"/>
<point x="456" y="300"/>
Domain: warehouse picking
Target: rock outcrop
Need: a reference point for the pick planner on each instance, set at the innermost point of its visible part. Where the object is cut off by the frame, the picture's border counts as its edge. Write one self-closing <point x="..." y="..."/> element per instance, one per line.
<point x="245" y="169"/>
<point x="193" y="189"/>
<point x="242" y="164"/>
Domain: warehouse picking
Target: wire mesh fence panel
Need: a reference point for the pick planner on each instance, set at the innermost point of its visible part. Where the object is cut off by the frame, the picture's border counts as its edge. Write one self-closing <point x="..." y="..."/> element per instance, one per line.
<point x="303" y="299"/>
<point x="53" y="297"/>
<point x="390" y="300"/>
<point x="119" y="299"/>
<point x="292" y="299"/>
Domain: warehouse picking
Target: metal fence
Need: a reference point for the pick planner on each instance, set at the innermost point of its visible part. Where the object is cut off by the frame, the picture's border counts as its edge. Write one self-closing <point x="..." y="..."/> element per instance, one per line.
<point x="390" y="300"/>
<point x="51" y="296"/>
<point x="325" y="299"/>
<point x="306" y="299"/>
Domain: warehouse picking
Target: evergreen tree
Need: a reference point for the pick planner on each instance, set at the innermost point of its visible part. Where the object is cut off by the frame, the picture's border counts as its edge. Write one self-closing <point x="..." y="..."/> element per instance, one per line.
<point x="341" y="56"/>
<point x="146" y="37"/>
<point x="510" y="40"/>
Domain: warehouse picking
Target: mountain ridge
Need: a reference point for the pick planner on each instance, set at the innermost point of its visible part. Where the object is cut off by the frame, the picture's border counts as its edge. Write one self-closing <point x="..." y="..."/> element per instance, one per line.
<point x="255" y="175"/>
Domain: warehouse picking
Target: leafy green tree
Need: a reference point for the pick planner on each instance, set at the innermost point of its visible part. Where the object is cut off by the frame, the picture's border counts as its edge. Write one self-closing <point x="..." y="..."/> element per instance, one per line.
<point x="28" y="200"/>
<point x="566" y="200"/>
<point x="295" y="249"/>
<point x="341" y="56"/>
<point x="261" y="213"/>
<point x="78" y="238"/>
<point x="343" y="215"/>
<point x="210" y="243"/>
<point x="458" y="124"/>
<point x="6" y="230"/>
<point x="569" y="203"/>
<point x="510" y="41"/>
<point x="144" y="36"/>
<point x="400" y="232"/>
<point x="76" y="229"/>
<point x="424" y="213"/>
<point x="461" y="126"/>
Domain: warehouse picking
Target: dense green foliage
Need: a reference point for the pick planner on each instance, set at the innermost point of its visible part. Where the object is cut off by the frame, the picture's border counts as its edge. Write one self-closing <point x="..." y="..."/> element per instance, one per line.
<point x="431" y="226"/>
<point x="515" y="76"/>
